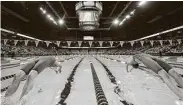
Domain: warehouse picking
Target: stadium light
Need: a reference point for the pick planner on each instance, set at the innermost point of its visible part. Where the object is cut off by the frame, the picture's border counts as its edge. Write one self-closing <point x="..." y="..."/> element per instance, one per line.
<point x="41" y="8"/>
<point x="142" y="3"/>
<point x="54" y="22"/>
<point x="132" y="12"/>
<point x="44" y="11"/>
<point x="61" y="21"/>
<point x="49" y="16"/>
<point x="116" y="21"/>
<point x="127" y="17"/>
<point x="122" y="21"/>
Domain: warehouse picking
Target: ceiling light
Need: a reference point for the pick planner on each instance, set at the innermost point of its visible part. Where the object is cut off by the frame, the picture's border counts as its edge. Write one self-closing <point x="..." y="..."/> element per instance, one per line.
<point x="51" y="18"/>
<point x="142" y="3"/>
<point x="127" y="16"/>
<point x="116" y="21"/>
<point x="41" y="8"/>
<point x="48" y="16"/>
<point x="121" y="23"/>
<point x="132" y="12"/>
<point x="61" y="21"/>
<point x="54" y="22"/>
<point x="44" y="12"/>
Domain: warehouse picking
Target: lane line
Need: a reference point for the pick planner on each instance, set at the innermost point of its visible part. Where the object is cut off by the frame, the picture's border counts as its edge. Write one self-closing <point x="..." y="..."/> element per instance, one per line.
<point x="99" y="92"/>
<point x="66" y="91"/>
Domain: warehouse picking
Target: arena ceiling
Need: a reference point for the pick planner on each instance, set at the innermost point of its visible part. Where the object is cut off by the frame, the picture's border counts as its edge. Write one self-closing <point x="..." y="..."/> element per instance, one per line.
<point x="25" y="17"/>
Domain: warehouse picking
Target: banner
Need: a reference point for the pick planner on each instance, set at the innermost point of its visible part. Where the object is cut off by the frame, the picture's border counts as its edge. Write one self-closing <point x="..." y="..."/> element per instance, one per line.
<point x="121" y="43"/>
<point x="26" y="42"/>
<point x="79" y="43"/>
<point x="170" y="41"/>
<point x="15" y="42"/>
<point x="100" y="43"/>
<point x="111" y="43"/>
<point x="132" y="43"/>
<point x="161" y="42"/>
<point x="47" y="43"/>
<point x="90" y="43"/>
<point x="179" y="41"/>
<point x="152" y="42"/>
<point x="36" y="42"/>
<point x="69" y="43"/>
<point x="142" y="43"/>
<point x="5" y="41"/>
<point x="58" y="43"/>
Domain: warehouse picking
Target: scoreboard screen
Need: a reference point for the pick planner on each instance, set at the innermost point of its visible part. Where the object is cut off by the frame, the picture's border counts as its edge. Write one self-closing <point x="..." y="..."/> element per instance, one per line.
<point x="88" y="38"/>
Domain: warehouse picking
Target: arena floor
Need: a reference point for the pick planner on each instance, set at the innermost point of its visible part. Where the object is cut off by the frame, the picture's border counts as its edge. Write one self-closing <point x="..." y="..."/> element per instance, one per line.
<point x="139" y="87"/>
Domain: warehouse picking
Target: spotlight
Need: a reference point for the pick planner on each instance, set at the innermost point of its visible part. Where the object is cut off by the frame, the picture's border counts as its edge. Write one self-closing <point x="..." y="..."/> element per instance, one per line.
<point x="61" y="21"/>
<point x="116" y="21"/>
<point x="127" y="16"/>
<point x="142" y="3"/>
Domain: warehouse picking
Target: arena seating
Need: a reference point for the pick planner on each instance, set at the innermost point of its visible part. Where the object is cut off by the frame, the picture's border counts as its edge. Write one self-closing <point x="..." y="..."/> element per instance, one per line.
<point x="10" y="51"/>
